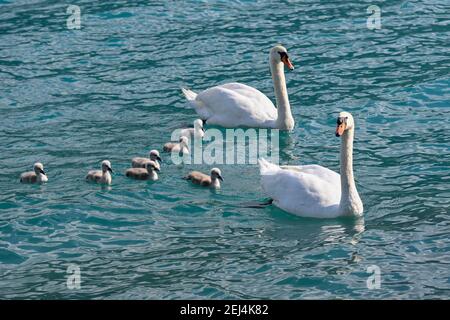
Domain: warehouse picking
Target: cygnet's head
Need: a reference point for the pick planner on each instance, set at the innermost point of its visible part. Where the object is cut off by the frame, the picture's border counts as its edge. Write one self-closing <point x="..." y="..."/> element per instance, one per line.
<point x="154" y="155"/>
<point x="184" y="140"/>
<point x="38" y="168"/>
<point x="198" y="124"/>
<point x="344" y="122"/>
<point x="216" y="174"/>
<point x="151" y="166"/>
<point x="106" y="166"/>
<point x="279" y="54"/>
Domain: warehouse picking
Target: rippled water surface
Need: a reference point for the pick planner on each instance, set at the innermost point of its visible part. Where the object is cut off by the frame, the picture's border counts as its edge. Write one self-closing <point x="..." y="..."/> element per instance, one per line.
<point x="71" y="98"/>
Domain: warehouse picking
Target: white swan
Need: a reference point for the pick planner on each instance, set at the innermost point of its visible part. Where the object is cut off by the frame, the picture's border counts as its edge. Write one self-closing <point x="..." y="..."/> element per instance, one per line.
<point x="315" y="191"/>
<point x="237" y="105"/>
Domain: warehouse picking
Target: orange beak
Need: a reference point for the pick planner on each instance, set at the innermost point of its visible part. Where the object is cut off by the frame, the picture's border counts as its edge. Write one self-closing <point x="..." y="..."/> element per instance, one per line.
<point x="287" y="62"/>
<point x="340" y="129"/>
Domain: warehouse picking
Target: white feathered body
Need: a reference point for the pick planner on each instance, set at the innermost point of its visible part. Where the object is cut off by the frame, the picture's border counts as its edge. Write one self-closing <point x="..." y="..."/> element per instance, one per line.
<point x="234" y="105"/>
<point x="307" y="191"/>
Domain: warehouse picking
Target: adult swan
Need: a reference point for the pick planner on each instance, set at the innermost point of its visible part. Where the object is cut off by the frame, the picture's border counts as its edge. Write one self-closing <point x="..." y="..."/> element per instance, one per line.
<point x="312" y="190"/>
<point x="238" y="105"/>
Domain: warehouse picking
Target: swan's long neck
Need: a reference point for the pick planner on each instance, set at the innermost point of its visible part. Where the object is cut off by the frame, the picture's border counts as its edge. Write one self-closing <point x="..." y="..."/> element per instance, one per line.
<point x="285" y="121"/>
<point x="350" y="203"/>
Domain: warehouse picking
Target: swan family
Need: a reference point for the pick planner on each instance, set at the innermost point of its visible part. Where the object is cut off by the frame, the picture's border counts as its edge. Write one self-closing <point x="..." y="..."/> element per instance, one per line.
<point x="304" y="190"/>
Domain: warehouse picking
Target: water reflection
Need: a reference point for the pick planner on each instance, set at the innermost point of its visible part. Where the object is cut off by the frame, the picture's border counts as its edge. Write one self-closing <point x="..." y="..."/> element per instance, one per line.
<point x="311" y="232"/>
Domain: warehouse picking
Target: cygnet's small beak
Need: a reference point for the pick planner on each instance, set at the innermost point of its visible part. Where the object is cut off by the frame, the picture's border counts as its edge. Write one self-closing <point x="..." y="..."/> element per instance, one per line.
<point x="110" y="170"/>
<point x="220" y="177"/>
<point x="158" y="158"/>
<point x="156" y="169"/>
<point x="42" y="171"/>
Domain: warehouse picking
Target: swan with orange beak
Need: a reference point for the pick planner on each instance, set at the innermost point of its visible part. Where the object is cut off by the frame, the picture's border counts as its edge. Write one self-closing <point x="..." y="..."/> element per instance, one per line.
<point x="315" y="191"/>
<point x="233" y="105"/>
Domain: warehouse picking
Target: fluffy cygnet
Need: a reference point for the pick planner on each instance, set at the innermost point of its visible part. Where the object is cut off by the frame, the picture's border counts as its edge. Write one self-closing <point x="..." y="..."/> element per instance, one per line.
<point x="101" y="176"/>
<point x="140" y="162"/>
<point x="147" y="173"/>
<point x="36" y="176"/>
<point x="204" y="180"/>
<point x="180" y="147"/>
<point x="197" y="132"/>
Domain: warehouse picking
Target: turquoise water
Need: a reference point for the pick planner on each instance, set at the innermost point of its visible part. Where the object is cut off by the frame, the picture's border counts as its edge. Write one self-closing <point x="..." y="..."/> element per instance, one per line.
<point x="71" y="98"/>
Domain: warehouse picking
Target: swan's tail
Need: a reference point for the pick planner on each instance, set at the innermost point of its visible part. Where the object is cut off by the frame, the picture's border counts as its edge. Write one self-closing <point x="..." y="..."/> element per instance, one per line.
<point x="266" y="168"/>
<point x="199" y="106"/>
<point x="189" y="94"/>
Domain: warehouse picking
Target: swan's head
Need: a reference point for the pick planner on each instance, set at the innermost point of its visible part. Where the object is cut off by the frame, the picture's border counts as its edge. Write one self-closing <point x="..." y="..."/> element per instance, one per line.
<point x="216" y="174"/>
<point x="344" y="122"/>
<point x="151" y="166"/>
<point x="154" y="155"/>
<point x="106" y="166"/>
<point x="38" y="168"/>
<point x="198" y="125"/>
<point x="279" y="55"/>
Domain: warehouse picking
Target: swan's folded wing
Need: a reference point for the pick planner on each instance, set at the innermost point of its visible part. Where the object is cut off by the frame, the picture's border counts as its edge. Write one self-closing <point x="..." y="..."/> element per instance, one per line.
<point x="322" y="172"/>
<point x="301" y="193"/>
<point x="237" y="104"/>
<point x="264" y="103"/>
